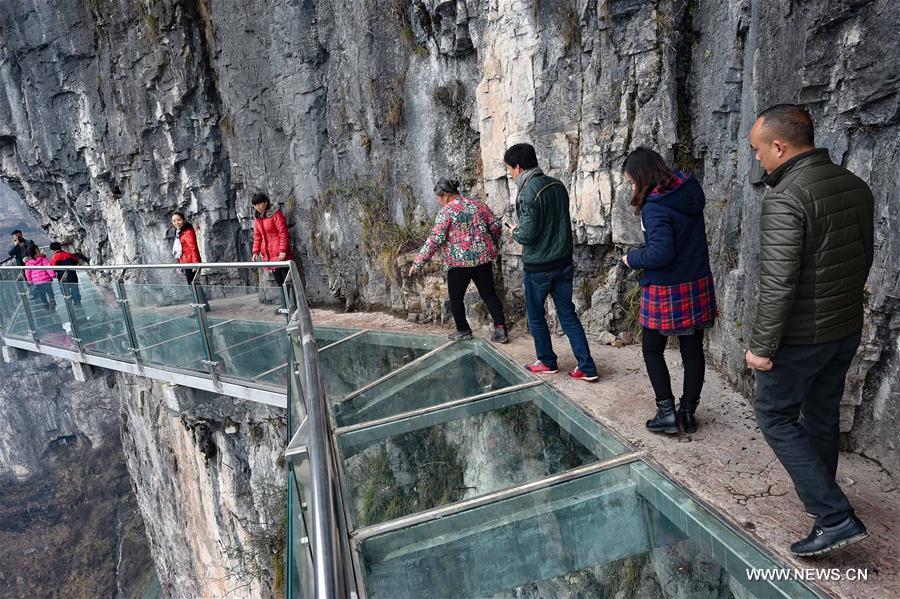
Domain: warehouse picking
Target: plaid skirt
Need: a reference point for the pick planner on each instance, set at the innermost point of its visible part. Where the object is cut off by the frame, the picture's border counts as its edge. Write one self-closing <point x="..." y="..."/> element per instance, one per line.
<point x="679" y="309"/>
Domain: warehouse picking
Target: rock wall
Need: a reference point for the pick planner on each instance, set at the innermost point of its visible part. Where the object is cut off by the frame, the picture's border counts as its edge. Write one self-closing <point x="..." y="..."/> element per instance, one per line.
<point x="210" y="481"/>
<point x="115" y="112"/>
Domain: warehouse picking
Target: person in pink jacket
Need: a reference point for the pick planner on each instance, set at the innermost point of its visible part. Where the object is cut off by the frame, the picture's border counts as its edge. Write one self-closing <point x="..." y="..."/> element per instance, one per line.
<point x="41" y="281"/>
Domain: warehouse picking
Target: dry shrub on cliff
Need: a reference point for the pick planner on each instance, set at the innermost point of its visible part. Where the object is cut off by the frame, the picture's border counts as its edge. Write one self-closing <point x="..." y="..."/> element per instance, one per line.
<point x="383" y="240"/>
<point x="401" y="16"/>
<point x="631" y="302"/>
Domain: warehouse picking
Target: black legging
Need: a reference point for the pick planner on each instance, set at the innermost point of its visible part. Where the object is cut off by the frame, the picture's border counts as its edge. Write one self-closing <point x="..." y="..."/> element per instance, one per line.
<point x="189" y="274"/>
<point x="281" y="274"/>
<point x="457" y="283"/>
<point x="691" y="346"/>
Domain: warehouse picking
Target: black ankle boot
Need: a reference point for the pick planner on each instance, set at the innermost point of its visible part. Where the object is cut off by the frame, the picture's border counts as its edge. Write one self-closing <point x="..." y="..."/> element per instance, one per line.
<point x="686" y="416"/>
<point x="666" y="421"/>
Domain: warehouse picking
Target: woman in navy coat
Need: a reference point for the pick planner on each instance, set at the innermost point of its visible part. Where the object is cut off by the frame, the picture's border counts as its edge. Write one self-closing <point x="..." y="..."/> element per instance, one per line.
<point x="677" y="293"/>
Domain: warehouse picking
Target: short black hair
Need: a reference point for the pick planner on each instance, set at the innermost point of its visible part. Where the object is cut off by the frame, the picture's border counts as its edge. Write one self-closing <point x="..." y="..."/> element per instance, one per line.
<point x="260" y="198"/>
<point x="31" y="251"/>
<point x="521" y="155"/>
<point x="790" y="122"/>
<point x="56" y="246"/>
<point x="16" y="232"/>
<point x="445" y="186"/>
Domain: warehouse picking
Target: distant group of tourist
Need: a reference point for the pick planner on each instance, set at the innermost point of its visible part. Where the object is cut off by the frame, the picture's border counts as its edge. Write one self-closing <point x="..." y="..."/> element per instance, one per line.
<point x="27" y="253"/>
<point x="815" y="254"/>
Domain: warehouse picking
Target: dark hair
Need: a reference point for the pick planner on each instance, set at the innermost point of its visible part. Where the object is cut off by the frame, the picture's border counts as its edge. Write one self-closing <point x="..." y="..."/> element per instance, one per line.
<point x="789" y="122"/>
<point x="56" y="246"/>
<point x="648" y="170"/>
<point x="521" y="155"/>
<point x="446" y="186"/>
<point x="32" y="250"/>
<point x="16" y="232"/>
<point x="187" y="224"/>
<point x="260" y="198"/>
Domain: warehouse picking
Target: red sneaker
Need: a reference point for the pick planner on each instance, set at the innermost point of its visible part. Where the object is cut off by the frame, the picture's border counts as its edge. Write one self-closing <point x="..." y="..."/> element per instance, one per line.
<point x="579" y="375"/>
<point x="540" y="368"/>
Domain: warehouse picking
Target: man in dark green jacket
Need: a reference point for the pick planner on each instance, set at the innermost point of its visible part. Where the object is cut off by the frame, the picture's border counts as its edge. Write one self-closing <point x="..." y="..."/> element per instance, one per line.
<point x="816" y="248"/>
<point x="545" y="233"/>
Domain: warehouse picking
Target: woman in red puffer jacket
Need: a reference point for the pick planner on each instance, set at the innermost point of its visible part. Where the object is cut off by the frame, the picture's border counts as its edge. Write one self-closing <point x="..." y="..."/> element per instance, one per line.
<point x="271" y="239"/>
<point x="185" y="250"/>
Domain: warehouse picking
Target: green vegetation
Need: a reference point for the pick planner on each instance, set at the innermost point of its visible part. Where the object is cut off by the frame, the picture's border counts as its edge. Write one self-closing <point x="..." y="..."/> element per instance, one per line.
<point x="394" y="115"/>
<point x="401" y="16"/>
<point x="439" y="478"/>
<point x="382" y="497"/>
<point x="383" y="240"/>
<point x="631" y="301"/>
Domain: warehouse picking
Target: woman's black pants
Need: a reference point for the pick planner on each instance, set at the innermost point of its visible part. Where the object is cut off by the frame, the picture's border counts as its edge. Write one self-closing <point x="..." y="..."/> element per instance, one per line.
<point x="654" y="344"/>
<point x="189" y="274"/>
<point x="458" y="281"/>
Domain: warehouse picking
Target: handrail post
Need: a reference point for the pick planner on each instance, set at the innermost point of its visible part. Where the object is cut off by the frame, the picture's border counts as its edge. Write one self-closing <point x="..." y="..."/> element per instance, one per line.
<point x="200" y="310"/>
<point x="23" y="293"/>
<point x="70" y="311"/>
<point x="122" y="300"/>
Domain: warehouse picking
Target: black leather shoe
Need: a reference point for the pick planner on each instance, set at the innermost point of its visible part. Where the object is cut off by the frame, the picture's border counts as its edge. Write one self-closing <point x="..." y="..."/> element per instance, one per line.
<point x="665" y="421"/>
<point x="823" y="539"/>
<point x="686" y="416"/>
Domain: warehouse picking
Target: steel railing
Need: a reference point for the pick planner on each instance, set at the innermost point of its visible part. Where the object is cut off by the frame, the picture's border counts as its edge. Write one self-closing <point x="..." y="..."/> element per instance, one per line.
<point x="310" y="441"/>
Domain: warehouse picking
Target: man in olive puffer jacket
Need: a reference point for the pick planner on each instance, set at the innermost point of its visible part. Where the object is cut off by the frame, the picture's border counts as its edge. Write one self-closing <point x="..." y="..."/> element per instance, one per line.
<point x="816" y="248"/>
<point x="545" y="233"/>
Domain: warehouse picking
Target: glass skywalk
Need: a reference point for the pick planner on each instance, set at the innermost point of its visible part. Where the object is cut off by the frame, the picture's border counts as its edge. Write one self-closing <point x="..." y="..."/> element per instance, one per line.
<point x="425" y="468"/>
<point x="463" y="476"/>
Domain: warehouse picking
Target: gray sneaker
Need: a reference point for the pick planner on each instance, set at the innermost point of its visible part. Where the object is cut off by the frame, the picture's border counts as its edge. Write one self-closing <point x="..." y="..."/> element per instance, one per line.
<point x="460" y="335"/>
<point x="501" y="335"/>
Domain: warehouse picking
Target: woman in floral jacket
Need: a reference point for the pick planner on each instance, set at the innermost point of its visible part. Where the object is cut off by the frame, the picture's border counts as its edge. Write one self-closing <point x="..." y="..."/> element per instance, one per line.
<point x="466" y="232"/>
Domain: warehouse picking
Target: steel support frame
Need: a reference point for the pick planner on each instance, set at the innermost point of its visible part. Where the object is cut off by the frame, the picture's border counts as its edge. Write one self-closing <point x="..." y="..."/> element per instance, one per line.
<point x="130" y="331"/>
<point x="200" y="310"/>
<point x="26" y="306"/>
<point x="70" y="311"/>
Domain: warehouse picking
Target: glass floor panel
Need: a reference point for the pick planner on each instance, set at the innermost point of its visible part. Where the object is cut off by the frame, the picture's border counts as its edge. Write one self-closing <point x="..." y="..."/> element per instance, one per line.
<point x="422" y="462"/>
<point x="625" y="532"/>
<point x="366" y="358"/>
<point x="462" y="370"/>
<point x="325" y="336"/>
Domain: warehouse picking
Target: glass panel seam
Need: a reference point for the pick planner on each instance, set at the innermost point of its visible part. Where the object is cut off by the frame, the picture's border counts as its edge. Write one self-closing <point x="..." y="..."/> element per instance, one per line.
<point x="435" y="408"/>
<point x="339" y="341"/>
<point x="397" y="371"/>
<point x="366" y="532"/>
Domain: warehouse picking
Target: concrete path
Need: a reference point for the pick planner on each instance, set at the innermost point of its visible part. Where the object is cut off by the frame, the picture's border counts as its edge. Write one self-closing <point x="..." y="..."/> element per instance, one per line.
<point x="726" y="462"/>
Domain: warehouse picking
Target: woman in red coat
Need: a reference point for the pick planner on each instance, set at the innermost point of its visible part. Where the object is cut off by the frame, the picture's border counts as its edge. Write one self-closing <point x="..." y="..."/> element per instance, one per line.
<point x="186" y="252"/>
<point x="271" y="239"/>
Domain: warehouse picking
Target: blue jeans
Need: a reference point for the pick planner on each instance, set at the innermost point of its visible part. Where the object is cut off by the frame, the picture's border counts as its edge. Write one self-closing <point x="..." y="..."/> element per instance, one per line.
<point x="556" y="283"/>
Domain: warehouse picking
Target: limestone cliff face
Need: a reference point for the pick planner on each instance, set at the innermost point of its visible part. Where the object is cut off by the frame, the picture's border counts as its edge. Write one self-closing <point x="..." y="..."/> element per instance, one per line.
<point x="114" y="112"/>
<point x="210" y="483"/>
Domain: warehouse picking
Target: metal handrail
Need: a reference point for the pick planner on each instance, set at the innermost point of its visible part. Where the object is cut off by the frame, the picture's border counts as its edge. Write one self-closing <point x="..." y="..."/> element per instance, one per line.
<point x="328" y="530"/>
<point x="169" y="266"/>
